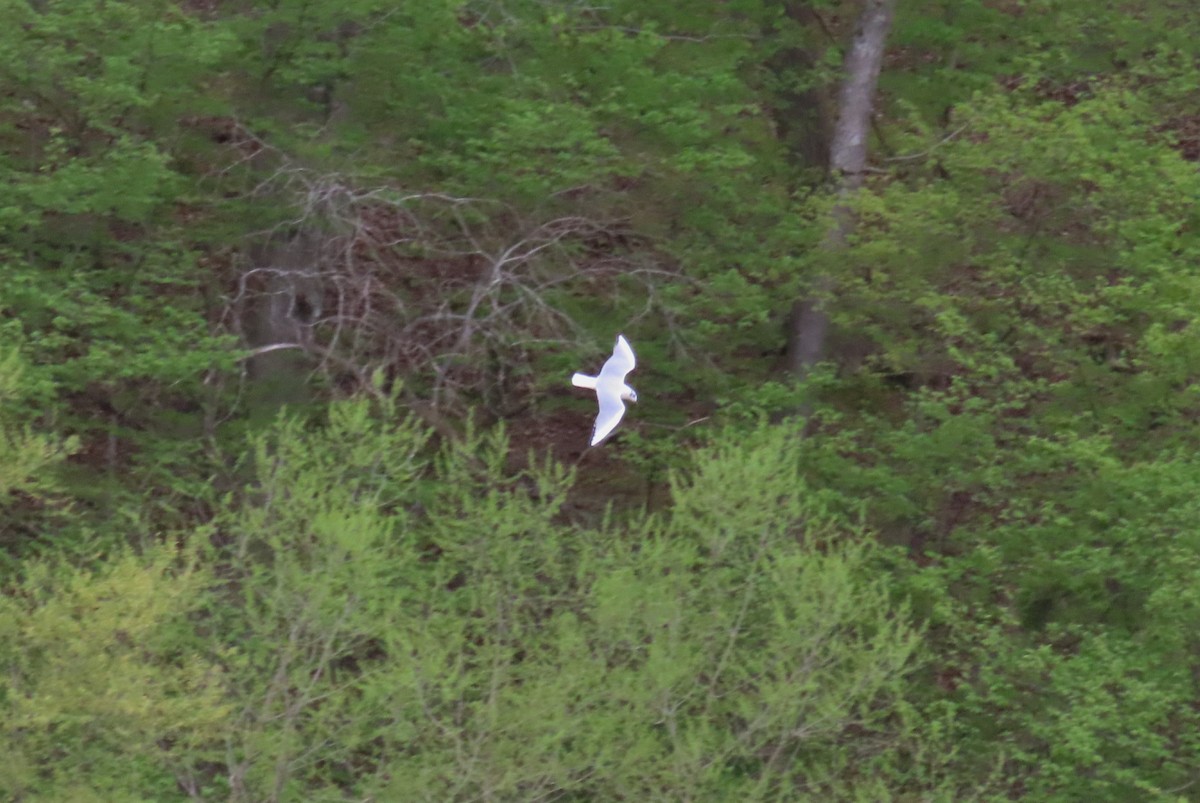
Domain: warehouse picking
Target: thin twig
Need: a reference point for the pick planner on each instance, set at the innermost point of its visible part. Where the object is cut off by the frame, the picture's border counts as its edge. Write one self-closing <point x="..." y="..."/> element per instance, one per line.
<point x="921" y="154"/>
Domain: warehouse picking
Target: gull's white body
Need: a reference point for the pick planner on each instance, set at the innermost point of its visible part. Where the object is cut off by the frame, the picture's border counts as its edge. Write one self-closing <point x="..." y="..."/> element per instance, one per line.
<point x="610" y="387"/>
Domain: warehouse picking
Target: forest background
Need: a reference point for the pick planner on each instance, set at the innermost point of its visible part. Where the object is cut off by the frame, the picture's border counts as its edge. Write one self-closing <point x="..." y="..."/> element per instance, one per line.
<point x="294" y="499"/>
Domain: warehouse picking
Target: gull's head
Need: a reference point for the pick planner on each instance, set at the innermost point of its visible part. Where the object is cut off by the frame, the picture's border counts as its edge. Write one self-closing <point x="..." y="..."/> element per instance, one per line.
<point x="629" y="394"/>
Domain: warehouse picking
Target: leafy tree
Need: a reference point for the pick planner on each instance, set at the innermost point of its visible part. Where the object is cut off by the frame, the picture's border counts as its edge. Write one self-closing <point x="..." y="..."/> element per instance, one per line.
<point x="400" y="638"/>
<point x="1012" y="378"/>
<point x="106" y="695"/>
<point x="29" y="456"/>
<point x="98" y="270"/>
<point x="25" y="455"/>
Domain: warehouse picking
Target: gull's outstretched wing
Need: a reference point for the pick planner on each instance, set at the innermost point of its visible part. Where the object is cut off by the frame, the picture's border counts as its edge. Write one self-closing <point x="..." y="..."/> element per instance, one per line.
<point x="620" y="363"/>
<point x="612" y="408"/>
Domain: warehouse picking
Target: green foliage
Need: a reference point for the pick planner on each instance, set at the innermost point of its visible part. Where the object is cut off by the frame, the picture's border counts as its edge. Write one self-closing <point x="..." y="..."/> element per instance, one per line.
<point x="1022" y="418"/>
<point x="105" y="693"/>
<point x="404" y="637"/>
<point x="971" y="576"/>
<point x="102" y="279"/>
<point x="1040" y="310"/>
<point x="31" y="456"/>
<point x="25" y="455"/>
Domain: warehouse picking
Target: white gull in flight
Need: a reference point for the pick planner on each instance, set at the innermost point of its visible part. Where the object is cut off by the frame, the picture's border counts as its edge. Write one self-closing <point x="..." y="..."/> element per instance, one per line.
<point x="610" y="387"/>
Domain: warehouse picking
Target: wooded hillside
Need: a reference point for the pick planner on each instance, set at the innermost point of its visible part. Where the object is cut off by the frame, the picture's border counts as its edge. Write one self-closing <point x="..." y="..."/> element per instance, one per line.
<point x="296" y="502"/>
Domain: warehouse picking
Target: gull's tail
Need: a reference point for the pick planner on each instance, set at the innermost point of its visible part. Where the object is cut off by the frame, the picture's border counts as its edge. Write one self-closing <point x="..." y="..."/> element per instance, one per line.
<point x="584" y="381"/>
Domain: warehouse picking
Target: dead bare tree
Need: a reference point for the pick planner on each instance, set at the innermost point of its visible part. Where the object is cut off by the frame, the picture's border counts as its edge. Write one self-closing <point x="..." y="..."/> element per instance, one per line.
<point x="847" y="159"/>
<point x="431" y="289"/>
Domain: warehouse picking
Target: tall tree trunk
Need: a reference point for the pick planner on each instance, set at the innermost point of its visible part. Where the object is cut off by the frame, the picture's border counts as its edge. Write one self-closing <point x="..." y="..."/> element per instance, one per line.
<point x="847" y="158"/>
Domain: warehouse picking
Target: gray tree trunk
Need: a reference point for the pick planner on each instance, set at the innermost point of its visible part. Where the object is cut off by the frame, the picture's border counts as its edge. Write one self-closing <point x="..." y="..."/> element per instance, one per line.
<point x="279" y="297"/>
<point x="847" y="158"/>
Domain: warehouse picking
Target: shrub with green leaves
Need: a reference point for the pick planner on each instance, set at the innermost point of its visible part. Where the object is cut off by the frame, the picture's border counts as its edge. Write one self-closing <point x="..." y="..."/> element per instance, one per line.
<point x="444" y="636"/>
<point x="107" y="692"/>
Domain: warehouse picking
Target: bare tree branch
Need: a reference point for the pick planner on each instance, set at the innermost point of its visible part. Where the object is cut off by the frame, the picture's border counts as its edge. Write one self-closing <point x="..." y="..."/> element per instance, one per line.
<point x="426" y="287"/>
